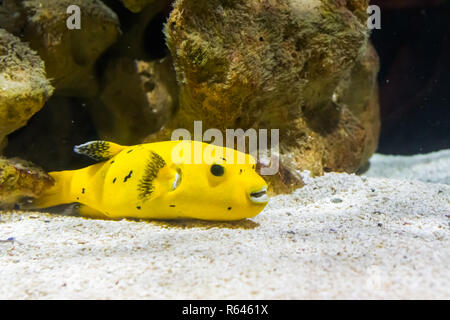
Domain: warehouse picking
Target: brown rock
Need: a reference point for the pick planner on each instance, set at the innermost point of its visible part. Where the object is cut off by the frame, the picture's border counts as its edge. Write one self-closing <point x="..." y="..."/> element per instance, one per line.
<point x="137" y="99"/>
<point x="290" y="65"/>
<point x="20" y="179"/>
<point x="70" y="55"/>
<point x="24" y="87"/>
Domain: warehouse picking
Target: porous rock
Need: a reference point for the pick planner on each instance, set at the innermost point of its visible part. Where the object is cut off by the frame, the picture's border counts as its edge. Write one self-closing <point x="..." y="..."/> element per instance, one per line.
<point x="20" y="179"/>
<point x="292" y="65"/>
<point x="70" y="54"/>
<point x="24" y="87"/>
<point x="137" y="98"/>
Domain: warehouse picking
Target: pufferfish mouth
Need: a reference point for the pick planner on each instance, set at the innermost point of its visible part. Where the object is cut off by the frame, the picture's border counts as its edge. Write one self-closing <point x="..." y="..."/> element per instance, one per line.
<point x="259" y="196"/>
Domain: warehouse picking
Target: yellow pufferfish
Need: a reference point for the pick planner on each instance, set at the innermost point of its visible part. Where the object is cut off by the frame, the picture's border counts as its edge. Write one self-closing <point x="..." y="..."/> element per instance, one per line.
<point x="143" y="181"/>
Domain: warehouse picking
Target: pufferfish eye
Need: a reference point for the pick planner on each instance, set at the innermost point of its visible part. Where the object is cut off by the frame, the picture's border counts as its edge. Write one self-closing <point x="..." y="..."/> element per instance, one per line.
<point x="217" y="170"/>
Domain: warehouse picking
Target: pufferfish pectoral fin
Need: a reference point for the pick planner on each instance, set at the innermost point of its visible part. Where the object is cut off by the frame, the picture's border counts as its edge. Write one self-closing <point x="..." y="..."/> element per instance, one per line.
<point x="99" y="150"/>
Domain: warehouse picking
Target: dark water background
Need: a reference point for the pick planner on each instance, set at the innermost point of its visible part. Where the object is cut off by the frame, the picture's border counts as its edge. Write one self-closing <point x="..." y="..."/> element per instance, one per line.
<point x="414" y="49"/>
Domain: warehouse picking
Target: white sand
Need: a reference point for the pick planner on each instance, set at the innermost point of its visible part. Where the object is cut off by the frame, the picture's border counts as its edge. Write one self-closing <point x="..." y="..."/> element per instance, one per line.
<point x="432" y="167"/>
<point x="340" y="237"/>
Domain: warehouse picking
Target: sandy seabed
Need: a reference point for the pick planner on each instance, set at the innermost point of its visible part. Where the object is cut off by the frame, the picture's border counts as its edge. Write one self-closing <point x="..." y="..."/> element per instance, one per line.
<point x="382" y="235"/>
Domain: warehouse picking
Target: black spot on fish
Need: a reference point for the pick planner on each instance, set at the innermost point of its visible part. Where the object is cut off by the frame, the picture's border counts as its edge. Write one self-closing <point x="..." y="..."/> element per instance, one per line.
<point x="112" y="162"/>
<point x="128" y="176"/>
<point x="229" y="208"/>
<point x="138" y="207"/>
<point x="83" y="190"/>
<point x="240" y="171"/>
<point x="145" y="186"/>
<point x="78" y="198"/>
<point x="224" y="159"/>
<point x="129" y="151"/>
<point x="253" y="166"/>
<point x="114" y="180"/>
<point x="172" y="206"/>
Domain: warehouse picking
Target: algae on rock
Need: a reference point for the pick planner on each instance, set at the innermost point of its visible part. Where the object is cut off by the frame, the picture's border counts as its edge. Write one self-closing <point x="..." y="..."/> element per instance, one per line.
<point x="70" y="55"/>
<point x="20" y="179"/>
<point x="24" y="87"/>
<point x="304" y="67"/>
<point x="289" y="65"/>
<point x="137" y="98"/>
<point x="128" y="94"/>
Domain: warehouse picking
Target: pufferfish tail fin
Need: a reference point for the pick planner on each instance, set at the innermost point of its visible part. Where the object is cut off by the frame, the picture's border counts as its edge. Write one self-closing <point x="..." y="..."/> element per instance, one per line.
<point x="58" y="194"/>
<point x="99" y="150"/>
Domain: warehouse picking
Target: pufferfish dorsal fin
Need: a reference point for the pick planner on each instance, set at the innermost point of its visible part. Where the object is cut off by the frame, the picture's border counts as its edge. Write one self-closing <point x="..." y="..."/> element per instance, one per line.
<point x="99" y="150"/>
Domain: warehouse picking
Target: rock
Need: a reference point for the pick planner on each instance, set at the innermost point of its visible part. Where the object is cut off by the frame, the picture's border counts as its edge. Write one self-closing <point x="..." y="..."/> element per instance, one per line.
<point x="351" y="145"/>
<point x="70" y="55"/>
<point x="137" y="99"/>
<point x="288" y="65"/>
<point x="20" y="179"/>
<point x="24" y="87"/>
<point x="11" y="17"/>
